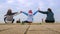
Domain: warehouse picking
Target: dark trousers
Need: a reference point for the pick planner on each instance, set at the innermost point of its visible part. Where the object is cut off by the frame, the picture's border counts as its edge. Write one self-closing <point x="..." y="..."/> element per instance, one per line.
<point x="47" y="21"/>
<point x="18" y="22"/>
<point x="12" y="20"/>
<point x="27" y="22"/>
<point x="5" y="20"/>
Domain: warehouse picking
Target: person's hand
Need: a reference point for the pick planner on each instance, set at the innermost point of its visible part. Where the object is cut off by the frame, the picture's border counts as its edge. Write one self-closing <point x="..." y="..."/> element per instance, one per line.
<point x="39" y="9"/>
<point x="20" y="11"/>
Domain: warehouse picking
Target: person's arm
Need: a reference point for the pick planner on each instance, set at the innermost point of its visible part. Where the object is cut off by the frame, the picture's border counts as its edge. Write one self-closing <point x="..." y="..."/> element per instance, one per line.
<point x="43" y="12"/>
<point x="25" y="13"/>
<point x="35" y="12"/>
<point x="16" y="13"/>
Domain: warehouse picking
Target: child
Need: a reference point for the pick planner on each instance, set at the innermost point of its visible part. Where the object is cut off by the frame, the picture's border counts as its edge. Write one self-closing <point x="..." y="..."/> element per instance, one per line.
<point x="30" y="16"/>
<point x="9" y="16"/>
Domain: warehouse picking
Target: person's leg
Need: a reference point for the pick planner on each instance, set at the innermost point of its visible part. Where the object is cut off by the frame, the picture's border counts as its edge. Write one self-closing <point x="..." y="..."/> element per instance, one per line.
<point x="49" y="21"/>
<point x="12" y="20"/>
<point x="5" y="20"/>
<point x="28" y="22"/>
<point x="18" y="22"/>
<point x="46" y="21"/>
<point x="52" y="21"/>
<point x="24" y="22"/>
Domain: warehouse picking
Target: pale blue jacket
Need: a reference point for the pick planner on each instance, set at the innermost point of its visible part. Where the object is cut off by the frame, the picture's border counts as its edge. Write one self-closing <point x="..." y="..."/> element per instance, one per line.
<point x="30" y="16"/>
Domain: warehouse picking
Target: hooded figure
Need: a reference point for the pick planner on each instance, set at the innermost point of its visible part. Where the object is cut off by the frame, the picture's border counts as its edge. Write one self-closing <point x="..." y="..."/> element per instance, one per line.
<point x="30" y="16"/>
<point x="9" y="16"/>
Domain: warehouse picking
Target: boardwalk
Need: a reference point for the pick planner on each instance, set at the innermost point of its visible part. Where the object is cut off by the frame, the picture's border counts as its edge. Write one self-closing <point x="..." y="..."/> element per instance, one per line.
<point x="30" y="29"/>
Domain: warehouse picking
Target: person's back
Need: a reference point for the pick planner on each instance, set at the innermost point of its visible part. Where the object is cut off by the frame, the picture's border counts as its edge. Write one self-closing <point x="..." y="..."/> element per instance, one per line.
<point x="50" y="15"/>
<point x="30" y="17"/>
<point x="9" y="16"/>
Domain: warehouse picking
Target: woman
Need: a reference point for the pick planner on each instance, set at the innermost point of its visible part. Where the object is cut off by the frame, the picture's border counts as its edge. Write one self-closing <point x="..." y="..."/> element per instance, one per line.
<point x="9" y="16"/>
<point x="50" y="15"/>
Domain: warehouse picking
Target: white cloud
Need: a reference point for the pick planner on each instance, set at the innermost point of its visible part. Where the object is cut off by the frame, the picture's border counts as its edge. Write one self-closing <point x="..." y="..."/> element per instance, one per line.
<point x="25" y="3"/>
<point x="0" y="6"/>
<point x="51" y="2"/>
<point x="41" y="4"/>
<point x="10" y="1"/>
<point x="28" y="4"/>
<point x="21" y="1"/>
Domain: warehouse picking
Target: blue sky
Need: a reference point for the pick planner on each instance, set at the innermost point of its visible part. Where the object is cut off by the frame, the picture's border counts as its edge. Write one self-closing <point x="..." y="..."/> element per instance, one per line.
<point x="25" y="5"/>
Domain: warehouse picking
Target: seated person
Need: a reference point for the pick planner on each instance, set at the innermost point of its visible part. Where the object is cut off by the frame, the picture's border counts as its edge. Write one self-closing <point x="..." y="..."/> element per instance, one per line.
<point x="30" y="16"/>
<point x="50" y="15"/>
<point x="9" y="16"/>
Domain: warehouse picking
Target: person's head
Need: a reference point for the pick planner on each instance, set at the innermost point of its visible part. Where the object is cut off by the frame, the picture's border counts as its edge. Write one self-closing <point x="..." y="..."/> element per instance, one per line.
<point x="49" y="9"/>
<point x="30" y="12"/>
<point x="9" y="12"/>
